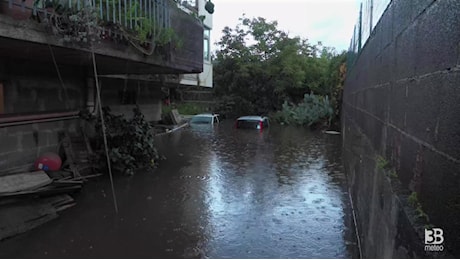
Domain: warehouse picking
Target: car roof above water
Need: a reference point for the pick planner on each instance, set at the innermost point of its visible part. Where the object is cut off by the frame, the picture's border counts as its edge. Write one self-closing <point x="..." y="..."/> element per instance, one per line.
<point x="252" y="118"/>
<point x="206" y="115"/>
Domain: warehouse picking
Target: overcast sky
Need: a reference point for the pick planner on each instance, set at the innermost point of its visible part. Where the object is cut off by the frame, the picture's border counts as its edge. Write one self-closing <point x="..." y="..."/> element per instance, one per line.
<point x="328" y="21"/>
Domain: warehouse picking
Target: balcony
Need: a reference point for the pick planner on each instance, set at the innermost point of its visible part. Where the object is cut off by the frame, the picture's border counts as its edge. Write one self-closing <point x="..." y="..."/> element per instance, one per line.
<point x="127" y="36"/>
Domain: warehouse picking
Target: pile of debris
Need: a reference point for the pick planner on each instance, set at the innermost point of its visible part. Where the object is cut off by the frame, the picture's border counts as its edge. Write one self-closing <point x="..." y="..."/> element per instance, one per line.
<point x="29" y="199"/>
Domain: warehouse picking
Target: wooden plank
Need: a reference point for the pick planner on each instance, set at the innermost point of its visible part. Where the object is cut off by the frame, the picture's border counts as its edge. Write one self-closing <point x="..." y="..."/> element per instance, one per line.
<point x="70" y="155"/>
<point x="175" y="116"/>
<point x="84" y="177"/>
<point x="24" y="215"/>
<point x="58" y="200"/>
<point x="19" y="218"/>
<point x="68" y="182"/>
<point x="23" y="181"/>
<point x="49" y="190"/>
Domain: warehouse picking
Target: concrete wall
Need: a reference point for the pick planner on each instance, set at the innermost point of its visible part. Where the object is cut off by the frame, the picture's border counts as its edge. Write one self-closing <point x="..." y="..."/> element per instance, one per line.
<point x="123" y="95"/>
<point x="203" y="79"/>
<point x="25" y="37"/>
<point x="401" y="102"/>
<point x="34" y="88"/>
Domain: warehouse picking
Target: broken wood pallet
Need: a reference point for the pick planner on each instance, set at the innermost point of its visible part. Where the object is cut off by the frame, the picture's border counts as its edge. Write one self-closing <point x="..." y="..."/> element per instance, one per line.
<point x="20" y="217"/>
<point x="80" y="158"/>
<point x="23" y="181"/>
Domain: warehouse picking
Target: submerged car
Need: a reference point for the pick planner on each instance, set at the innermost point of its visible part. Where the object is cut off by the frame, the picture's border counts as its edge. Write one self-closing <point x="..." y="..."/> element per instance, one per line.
<point x="252" y="122"/>
<point x="205" y="119"/>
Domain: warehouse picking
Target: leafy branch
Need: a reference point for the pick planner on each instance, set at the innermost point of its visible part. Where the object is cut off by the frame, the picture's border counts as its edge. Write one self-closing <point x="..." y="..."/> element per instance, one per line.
<point x="131" y="141"/>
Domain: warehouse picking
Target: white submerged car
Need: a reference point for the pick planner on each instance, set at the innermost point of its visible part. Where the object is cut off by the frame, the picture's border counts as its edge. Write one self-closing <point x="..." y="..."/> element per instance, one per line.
<point x="205" y="119"/>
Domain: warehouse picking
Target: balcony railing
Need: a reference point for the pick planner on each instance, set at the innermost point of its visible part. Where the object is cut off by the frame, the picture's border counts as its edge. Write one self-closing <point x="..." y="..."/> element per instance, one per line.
<point x="129" y="36"/>
<point x="145" y="19"/>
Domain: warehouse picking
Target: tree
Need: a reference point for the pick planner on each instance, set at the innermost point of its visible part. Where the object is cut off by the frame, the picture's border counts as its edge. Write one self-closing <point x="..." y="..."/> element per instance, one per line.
<point x="258" y="67"/>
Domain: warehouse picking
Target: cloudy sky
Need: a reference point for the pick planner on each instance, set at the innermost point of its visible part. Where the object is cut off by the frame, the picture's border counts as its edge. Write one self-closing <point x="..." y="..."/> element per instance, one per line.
<point x="328" y="21"/>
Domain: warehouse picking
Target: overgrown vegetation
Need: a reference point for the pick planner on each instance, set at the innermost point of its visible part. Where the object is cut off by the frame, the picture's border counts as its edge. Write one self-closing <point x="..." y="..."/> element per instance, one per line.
<point x="382" y="163"/>
<point x="84" y="24"/>
<point x="260" y="69"/>
<point x="311" y="110"/>
<point x="130" y="141"/>
<point x="414" y="202"/>
<point x="185" y="109"/>
<point x="393" y="174"/>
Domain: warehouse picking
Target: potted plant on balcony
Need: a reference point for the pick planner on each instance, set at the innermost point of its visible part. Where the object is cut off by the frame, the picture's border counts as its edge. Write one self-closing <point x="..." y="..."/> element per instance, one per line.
<point x="18" y="10"/>
<point x="209" y="6"/>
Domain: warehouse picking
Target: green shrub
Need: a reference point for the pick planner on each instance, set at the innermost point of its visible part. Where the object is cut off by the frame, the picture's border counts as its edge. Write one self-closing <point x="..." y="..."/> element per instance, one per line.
<point x="190" y="109"/>
<point x="311" y="110"/>
<point x="382" y="163"/>
<point x="130" y="142"/>
<point x="413" y="199"/>
<point x="233" y="106"/>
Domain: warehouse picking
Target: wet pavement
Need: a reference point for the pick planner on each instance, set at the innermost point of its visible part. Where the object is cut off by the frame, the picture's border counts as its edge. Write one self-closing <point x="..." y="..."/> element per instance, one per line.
<point x="221" y="193"/>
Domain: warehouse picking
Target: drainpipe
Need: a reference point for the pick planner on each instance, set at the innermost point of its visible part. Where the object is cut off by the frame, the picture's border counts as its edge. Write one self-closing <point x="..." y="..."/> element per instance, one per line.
<point x="360" y="27"/>
<point x="41" y="118"/>
<point x="371" y="17"/>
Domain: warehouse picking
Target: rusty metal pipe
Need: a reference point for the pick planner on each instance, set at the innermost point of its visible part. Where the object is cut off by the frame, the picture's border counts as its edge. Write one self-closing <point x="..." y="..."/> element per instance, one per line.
<point x="40" y="118"/>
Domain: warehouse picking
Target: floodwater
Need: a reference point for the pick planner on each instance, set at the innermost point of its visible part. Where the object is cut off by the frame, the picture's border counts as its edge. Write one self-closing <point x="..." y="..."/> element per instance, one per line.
<point x="221" y="193"/>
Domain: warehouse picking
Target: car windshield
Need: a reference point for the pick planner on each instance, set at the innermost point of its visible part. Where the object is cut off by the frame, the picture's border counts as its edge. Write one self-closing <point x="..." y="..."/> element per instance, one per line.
<point x="201" y="120"/>
<point x="248" y="123"/>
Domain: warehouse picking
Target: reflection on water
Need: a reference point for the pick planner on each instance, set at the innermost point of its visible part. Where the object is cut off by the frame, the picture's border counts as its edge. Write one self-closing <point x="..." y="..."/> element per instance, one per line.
<point x="277" y="193"/>
<point x="221" y="193"/>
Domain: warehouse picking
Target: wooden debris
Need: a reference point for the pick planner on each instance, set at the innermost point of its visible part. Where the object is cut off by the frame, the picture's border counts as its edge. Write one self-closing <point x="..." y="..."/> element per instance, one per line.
<point x="60" y="202"/>
<point x="68" y="182"/>
<point x="176" y="117"/>
<point x="20" y="217"/>
<point x="29" y="199"/>
<point x="88" y="176"/>
<point x="70" y="155"/>
<point x="23" y="181"/>
<point x="331" y="132"/>
<point x="48" y="190"/>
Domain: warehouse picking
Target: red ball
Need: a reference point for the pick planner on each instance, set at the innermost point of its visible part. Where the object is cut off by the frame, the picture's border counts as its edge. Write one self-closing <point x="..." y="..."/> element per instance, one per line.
<point x="48" y="162"/>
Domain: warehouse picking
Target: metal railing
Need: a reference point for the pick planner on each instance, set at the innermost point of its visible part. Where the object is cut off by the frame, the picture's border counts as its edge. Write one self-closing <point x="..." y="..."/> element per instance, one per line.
<point x="129" y="14"/>
<point x="369" y="15"/>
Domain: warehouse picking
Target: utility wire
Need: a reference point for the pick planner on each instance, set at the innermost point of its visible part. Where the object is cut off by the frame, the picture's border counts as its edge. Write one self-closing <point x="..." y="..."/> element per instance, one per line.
<point x="109" y="165"/>
<point x="356" y="224"/>
<point x="59" y="75"/>
<point x="101" y="114"/>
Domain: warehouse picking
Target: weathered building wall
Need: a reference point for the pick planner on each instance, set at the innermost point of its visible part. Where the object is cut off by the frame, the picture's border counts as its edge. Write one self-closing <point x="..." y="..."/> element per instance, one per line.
<point x="123" y="95"/>
<point x="401" y="102"/>
<point x="34" y="88"/>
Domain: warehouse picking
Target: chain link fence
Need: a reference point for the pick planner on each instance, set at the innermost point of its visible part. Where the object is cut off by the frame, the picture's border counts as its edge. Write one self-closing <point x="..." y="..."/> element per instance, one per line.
<point x="369" y="14"/>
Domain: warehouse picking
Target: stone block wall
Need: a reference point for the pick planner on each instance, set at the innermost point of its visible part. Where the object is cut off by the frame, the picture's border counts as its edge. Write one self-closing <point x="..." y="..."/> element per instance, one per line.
<point x="21" y="145"/>
<point x="33" y="88"/>
<point x="401" y="103"/>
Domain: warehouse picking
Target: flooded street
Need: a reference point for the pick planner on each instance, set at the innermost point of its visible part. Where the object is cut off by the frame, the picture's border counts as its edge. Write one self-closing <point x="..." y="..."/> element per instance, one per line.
<point x="221" y="193"/>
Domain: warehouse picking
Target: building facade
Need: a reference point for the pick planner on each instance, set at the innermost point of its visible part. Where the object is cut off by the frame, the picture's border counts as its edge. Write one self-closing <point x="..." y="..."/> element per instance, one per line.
<point x="52" y="54"/>
<point x="203" y="79"/>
